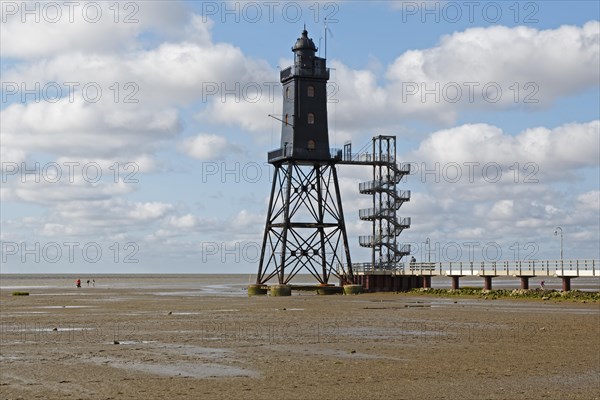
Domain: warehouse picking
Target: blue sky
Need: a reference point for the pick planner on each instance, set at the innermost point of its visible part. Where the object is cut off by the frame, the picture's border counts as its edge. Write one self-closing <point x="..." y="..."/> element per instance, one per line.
<point x="184" y="181"/>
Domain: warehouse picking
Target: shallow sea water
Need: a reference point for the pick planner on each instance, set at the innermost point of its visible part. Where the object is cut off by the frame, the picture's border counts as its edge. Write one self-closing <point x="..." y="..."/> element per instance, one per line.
<point x="225" y="285"/>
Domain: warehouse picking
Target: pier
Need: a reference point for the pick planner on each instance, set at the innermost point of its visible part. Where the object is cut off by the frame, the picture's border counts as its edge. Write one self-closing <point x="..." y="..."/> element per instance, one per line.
<point x="407" y="276"/>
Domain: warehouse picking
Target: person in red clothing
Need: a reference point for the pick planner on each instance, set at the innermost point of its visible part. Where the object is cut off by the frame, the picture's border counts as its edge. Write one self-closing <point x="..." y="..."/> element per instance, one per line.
<point x="78" y="282"/>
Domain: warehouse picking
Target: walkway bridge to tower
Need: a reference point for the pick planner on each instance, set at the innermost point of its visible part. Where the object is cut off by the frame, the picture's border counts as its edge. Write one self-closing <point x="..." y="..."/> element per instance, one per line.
<point x="407" y="275"/>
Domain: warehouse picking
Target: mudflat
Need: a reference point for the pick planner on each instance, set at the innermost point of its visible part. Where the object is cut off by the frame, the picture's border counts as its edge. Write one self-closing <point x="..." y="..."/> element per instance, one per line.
<point x="203" y="338"/>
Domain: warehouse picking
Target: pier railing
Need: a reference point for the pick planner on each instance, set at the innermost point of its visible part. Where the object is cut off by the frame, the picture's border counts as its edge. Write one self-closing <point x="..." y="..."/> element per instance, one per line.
<point x="555" y="268"/>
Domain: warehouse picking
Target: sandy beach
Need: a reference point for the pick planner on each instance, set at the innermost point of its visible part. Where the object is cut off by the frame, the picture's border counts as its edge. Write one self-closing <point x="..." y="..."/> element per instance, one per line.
<point x="202" y="337"/>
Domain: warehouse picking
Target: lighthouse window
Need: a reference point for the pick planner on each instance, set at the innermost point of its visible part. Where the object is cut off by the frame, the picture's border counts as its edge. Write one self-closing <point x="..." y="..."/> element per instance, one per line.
<point x="311" y="145"/>
<point x="288" y="93"/>
<point x="311" y="118"/>
<point x="286" y="119"/>
<point x="310" y="92"/>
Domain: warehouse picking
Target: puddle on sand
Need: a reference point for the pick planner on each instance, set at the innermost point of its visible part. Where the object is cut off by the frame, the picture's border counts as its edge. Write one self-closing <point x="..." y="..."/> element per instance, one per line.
<point x="112" y="298"/>
<point x="137" y="313"/>
<point x="329" y="352"/>
<point x="190" y="370"/>
<point x="181" y="294"/>
<point x="61" y="294"/>
<point x="366" y="332"/>
<point x="16" y="329"/>
<point x="26" y="287"/>
<point x="200" y="293"/>
<point x="201" y="312"/>
<point x="17" y="313"/>
<point x="131" y="342"/>
<point x="65" y="307"/>
<point x="512" y="307"/>
<point x="180" y="349"/>
<point x="185" y="313"/>
<point x="191" y="350"/>
<point x="181" y="369"/>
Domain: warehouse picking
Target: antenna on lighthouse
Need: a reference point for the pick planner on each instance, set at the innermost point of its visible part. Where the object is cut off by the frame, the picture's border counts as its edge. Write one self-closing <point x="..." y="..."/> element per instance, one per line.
<point x="330" y="32"/>
<point x="325" y="21"/>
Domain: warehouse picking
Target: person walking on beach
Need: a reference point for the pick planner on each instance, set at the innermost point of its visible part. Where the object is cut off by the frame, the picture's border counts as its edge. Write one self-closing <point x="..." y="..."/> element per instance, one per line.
<point x="78" y="283"/>
<point x="88" y="282"/>
<point x="542" y="285"/>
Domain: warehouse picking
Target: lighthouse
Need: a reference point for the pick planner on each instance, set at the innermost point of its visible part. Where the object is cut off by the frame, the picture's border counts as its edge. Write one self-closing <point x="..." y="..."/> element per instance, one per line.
<point x="304" y="230"/>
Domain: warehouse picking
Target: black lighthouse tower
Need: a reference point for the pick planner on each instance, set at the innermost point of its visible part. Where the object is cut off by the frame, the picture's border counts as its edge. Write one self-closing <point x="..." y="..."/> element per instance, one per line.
<point x="305" y="230"/>
<point x="304" y="134"/>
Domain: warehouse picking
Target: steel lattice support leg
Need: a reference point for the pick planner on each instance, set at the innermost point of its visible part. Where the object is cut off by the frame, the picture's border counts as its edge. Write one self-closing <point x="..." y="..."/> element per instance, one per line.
<point x="261" y="264"/>
<point x="349" y="273"/>
<point x="305" y="226"/>
<point x="286" y="221"/>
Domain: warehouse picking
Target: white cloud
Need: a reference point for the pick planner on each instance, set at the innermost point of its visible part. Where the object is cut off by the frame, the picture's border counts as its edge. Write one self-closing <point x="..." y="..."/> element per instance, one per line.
<point x="589" y="201"/>
<point x="83" y="219"/>
<point x="559" y="61"/>
<point x="56" y="230"/>
<point x="436" y="84"/>
<point x="541" y="152"/>
<point x="160" y="81"/>
<point x="184" y="222"/>
<point x="207" y="147"/>
<point x="99" y="27"/>
<point x="48" y="193"/>
<point x="252" y="116"/>
<point x="80" y="129"/>
<point x="517" y="212"/>
<point x="149" y="210"/>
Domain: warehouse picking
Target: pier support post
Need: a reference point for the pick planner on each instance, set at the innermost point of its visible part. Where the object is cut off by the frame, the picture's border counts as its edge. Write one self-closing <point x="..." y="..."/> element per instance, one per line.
<point x="566" y="283"/>
<point x="455" y="283"/>
<point x="524" y="282"/>
<point x="487" y="282"/>
<point x="426" y="282"/>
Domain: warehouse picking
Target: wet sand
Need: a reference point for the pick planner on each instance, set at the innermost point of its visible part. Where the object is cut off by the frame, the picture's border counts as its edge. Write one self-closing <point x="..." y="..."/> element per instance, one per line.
<point x="203" y="338"/>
